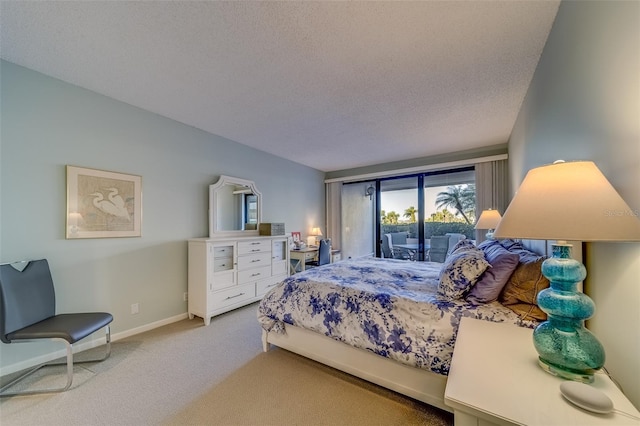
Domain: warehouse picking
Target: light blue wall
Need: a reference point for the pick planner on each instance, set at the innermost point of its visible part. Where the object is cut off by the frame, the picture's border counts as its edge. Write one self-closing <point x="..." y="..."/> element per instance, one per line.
<point x="47" y="124"/>
<point x="584" y="104"/>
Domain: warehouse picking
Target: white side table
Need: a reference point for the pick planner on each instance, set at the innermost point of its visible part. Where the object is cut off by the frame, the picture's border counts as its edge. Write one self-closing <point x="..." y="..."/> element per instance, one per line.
<point x="495" y="380"/>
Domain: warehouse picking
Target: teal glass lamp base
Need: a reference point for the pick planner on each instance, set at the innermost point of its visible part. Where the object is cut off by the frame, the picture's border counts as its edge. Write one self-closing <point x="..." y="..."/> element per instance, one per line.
<point x="578" y="376"/>
<point x="566" y="348"/>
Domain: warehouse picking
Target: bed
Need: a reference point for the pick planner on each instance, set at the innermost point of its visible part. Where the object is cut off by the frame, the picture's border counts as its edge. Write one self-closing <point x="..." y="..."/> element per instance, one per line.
<point x="393" y="322"/>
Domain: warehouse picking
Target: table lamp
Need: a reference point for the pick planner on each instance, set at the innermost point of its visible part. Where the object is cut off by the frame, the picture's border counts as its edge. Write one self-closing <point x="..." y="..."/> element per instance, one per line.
<point x="567" y="201"/>
<point x="313" y="237"/>
<point x="488" y="219"/>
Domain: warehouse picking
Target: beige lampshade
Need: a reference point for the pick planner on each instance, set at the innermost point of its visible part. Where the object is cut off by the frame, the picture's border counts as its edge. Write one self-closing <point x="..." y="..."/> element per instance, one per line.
<point x="488" y="219"/>
<point x="316" y="231"/>
<point x="568" y="201"/>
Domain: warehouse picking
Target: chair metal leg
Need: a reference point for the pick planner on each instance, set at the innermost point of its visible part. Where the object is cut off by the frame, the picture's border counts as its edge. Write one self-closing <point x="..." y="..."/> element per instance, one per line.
<point x="68" y="362"/>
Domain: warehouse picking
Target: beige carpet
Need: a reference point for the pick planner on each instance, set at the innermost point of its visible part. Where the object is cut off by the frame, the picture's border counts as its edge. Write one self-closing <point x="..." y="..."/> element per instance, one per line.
<point x="186" y="373"/>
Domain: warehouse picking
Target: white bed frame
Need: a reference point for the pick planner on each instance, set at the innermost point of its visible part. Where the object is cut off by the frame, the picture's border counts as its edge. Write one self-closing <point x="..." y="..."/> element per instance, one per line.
<point x="416" y="383"/>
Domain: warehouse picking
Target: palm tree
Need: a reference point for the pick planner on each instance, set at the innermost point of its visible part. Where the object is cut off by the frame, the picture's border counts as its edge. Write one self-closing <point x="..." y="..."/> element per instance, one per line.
<point x="383" y="217"/>
<point x="411" y="214"/>
<point x="392" y="217"/>
<point x="459" y="197"/>
<point x="441" y="216"/>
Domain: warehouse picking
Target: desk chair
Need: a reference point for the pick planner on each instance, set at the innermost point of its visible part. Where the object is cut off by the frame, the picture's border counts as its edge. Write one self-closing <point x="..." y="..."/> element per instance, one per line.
<point x="324" y="254"/>
<point x="27" y="313"/>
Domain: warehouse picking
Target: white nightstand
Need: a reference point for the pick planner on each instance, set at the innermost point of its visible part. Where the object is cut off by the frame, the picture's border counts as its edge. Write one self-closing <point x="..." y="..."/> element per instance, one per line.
<point x="495" y="379"/>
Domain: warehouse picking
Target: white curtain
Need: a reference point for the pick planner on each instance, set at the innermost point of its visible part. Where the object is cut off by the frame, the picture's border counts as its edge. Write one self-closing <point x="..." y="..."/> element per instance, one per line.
<point x="334" y="213"/>
<point x="358" y="221"/>
<point x="492" y="189"/>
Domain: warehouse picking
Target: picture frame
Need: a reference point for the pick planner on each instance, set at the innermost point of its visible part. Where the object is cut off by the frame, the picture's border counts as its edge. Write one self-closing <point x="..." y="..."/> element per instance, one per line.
<point x="295" y="236"/>
<point x="103" y="204"/>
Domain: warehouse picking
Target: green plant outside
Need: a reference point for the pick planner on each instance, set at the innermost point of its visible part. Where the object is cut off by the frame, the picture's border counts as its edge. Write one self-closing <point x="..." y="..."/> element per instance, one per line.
<point x="431" y="228"/>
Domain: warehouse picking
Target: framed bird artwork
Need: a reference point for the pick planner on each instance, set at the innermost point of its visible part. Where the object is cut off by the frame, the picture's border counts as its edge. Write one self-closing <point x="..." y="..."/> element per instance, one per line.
<point x="103" y="204"/>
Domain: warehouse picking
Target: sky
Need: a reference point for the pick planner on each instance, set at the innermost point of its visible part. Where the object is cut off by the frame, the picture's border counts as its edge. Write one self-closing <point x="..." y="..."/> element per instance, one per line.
<point x="399" y="201"/>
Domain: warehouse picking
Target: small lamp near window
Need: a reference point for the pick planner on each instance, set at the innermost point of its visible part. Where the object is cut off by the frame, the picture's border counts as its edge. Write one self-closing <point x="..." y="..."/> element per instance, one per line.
<point x="488" y="219"/>
<point x="314" y="236"/>
<point x="570" y="201"/>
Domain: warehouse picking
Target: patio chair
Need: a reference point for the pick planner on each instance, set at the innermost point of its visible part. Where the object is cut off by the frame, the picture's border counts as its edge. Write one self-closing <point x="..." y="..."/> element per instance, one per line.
<point x="439" y="244"/>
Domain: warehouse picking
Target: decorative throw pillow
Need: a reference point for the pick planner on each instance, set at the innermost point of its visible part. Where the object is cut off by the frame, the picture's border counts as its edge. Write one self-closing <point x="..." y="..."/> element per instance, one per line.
<point x="463" y="245"/>
<point x="460" y="272"/>
<point x="521" y="291"/>
<point x="493" y="280"/>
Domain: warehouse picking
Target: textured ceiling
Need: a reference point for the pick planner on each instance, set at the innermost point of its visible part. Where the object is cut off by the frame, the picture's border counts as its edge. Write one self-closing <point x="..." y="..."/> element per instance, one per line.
<point x="331" y="85"/>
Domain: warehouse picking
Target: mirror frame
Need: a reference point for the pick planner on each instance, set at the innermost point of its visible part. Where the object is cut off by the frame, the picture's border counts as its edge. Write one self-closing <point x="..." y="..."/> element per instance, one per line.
<point x="214" y="203"/>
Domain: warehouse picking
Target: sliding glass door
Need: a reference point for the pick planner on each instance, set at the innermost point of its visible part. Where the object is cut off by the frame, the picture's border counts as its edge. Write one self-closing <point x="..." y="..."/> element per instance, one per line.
<point x="415" y="208"/>
<point x="396" y="217"/>
<point x="399" y="216"/>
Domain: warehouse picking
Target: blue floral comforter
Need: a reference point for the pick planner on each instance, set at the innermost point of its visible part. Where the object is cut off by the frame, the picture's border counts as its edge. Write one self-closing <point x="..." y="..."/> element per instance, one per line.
<point x="389" y="307"/>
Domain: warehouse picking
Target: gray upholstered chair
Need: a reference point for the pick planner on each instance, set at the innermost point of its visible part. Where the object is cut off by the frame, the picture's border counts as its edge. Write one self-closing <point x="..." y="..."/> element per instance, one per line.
<point x="27" y="313"/>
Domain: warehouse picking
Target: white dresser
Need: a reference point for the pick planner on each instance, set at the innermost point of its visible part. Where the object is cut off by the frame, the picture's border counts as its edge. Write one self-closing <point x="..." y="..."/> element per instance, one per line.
<point x="227" y="273"/>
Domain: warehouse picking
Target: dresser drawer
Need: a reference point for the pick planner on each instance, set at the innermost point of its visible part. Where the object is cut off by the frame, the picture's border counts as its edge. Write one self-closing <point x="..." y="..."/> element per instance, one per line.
<point x="254" y="274"/>
<point x="263" y="286"/>
<point x="254" y="246"/>
<point x="222" y="264"/>
<point x="253" y="261"/>
<point x="222" y="251"/>
<point x="231" y="296"/>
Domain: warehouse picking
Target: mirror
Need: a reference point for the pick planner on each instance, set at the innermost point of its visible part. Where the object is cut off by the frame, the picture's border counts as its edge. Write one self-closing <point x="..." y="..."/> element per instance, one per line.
<point x="235" y="207"/>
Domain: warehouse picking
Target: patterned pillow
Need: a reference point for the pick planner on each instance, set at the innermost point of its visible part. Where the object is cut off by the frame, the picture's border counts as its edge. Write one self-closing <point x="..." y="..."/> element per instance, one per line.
<point x="460" y="272"/>
<point x="463" y="245"/>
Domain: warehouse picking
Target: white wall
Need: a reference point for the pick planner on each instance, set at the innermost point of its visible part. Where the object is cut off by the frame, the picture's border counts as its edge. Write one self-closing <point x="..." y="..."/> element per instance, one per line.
<point x="584" y="104"/>
<point x="47" y="124"/>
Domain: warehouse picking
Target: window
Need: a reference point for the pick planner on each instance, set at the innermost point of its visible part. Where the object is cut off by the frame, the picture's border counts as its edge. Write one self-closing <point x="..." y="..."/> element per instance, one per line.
<point x="444" y="204"/>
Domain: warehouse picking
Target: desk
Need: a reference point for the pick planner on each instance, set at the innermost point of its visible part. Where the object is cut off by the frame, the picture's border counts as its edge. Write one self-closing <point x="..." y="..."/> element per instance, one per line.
<point x="302" y="256"/>
<point x="495" y="379"/>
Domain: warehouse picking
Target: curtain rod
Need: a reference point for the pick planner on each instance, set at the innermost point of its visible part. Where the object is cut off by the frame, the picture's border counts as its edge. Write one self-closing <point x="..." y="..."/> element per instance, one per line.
<point x="419" y="169"/>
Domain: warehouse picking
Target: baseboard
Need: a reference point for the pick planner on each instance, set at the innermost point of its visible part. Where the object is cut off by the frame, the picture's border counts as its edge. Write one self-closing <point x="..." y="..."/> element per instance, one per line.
<point x="146" y="327"/>
<point x="83" y="346"/>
